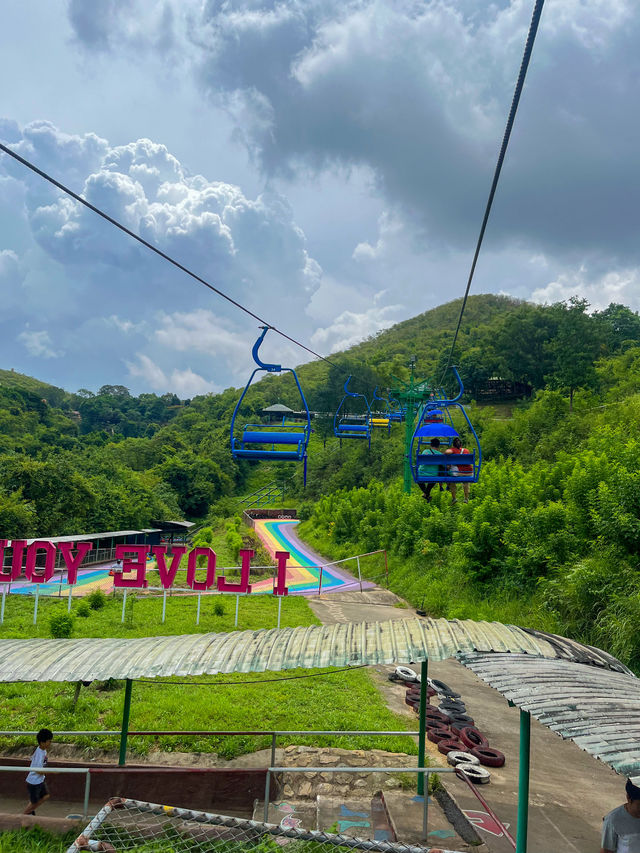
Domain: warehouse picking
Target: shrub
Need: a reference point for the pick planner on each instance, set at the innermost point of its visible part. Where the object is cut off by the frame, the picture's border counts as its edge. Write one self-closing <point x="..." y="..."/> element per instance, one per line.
<point x="61" y="626"/>
<point x="97" y="599"/>
<point x="218" y="608"/>
<point x="83" y="610"/>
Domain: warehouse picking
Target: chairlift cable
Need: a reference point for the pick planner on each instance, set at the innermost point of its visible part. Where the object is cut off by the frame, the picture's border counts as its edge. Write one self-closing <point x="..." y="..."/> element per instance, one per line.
<point x="158" y="251"/>
<point x="533" y="29"/>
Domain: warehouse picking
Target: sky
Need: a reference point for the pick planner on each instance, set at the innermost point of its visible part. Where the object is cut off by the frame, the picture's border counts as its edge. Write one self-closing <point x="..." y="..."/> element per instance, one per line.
<point x="324" y="162"/>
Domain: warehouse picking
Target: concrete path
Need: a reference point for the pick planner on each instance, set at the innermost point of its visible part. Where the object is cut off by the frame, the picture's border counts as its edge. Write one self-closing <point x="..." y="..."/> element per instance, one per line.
<point x="570" y="791"/>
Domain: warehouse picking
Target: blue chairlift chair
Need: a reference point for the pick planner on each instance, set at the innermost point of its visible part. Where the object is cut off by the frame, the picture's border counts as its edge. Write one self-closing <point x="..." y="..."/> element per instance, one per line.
<point x="358" y="426"/>
<point x="381" y="419"/>
<point x="277" y="442"/>
<point x="429" y="466"/>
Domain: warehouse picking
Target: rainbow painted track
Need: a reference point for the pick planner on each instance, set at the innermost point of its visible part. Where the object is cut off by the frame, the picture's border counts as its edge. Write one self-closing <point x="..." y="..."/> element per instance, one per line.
<point x="303" y="569"/>
<point x="88" y="580"/>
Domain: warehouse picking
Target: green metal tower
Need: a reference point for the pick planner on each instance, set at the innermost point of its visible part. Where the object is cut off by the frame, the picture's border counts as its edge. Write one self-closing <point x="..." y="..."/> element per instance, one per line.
<point x="412" y="395"/>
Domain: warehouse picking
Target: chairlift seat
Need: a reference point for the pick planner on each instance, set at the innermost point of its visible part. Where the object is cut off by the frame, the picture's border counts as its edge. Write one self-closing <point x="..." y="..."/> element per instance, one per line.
<point x="444" y="461"/>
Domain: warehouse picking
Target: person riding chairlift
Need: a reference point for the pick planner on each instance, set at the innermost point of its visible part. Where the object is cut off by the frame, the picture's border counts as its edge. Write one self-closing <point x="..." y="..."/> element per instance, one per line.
<point x="430" y="470"/>
<point x="459" y="471"/>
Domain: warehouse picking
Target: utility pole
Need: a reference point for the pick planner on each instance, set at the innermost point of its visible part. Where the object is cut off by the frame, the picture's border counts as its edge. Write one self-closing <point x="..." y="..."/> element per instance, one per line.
<point x="411" y="395"/>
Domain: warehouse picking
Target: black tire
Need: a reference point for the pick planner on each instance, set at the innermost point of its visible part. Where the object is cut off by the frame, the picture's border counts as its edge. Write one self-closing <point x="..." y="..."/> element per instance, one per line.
<point x="444" y="689"/>
<point x="436" y="735"/>
<point x="449" y="745"/>
<point x="473" y="737"/>
<point x="452" y="703"/>
<point x="488" y="756"/>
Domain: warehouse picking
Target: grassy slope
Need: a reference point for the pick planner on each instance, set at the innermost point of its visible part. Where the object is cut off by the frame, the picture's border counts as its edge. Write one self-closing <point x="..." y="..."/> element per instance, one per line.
<point x="346" y="700"/>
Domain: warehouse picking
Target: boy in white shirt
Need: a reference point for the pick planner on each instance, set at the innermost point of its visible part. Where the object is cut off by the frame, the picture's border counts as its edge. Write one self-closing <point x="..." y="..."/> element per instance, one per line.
<point x="36" y="784"/>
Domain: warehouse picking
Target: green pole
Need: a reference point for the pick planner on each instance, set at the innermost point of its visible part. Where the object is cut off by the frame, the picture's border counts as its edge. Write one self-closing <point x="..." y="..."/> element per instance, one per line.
<point x="523" y="782"/>
<point x="126" y="711"/>
<point x="408" y="437"/>
<point x="422" y="734"/>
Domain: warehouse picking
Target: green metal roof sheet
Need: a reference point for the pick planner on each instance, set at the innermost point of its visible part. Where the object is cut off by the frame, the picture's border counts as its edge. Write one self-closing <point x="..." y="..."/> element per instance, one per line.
<point x="345" y="644"/>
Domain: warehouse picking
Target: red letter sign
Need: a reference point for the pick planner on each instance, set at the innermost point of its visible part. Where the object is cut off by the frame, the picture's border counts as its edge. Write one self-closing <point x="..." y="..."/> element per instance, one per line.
<point x="211" y="568"/>
<point x="280" y="584"/>
<point x="139" y="566"/>
<point x="244" y="585"/>
<point x="73" y="563"/>
<point x="18" y="546"/>
<point x="168" y="575"/>
<point x="49" y="563"/>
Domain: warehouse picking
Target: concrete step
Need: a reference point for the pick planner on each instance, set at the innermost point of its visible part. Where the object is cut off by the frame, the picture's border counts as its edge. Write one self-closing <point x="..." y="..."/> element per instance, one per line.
<point x="406" y="812"/>
<point x="355" y="817"/>
<point x="300" y="814"/>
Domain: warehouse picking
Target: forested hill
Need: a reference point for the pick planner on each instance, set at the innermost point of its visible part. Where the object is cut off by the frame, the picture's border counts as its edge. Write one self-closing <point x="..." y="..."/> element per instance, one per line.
<point x="77" y="460"/>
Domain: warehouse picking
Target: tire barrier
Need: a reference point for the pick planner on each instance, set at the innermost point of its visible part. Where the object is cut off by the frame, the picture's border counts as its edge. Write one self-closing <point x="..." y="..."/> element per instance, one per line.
<point x="436" y="735"/>
<point x="461" y="756"/>
<point x="475" y="774"/>
<point x="443" y="689"/>
<point x="472" y="737"/>
<point x="488" y="756"/>
<point x="450" y="745"/>
<point x="404" y="673"/>
<point x="450" y="727"/>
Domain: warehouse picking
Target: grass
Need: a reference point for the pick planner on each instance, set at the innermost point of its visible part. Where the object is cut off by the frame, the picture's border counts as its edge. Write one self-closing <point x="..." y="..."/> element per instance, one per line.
<point x="144" y="612"/>
<point x="442" y="590"/>
<point x="35" y="840"/>
<point x="347" y="700"/>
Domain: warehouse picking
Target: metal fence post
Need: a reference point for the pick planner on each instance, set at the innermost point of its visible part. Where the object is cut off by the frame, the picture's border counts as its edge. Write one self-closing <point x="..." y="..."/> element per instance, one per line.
<point x="267" y="786"/>
<point x="124" y="602"/>
<point x="523" y="782"/>
<point x="198" y="613"/>
<point x="126" y="711"/>
<point x="69" y="601"/>
<point x="4" y="598"/>
<point x="359" y="572"/>
<point x="237" y="608"/>
<point x="164" y="605"/>
<point x="35" y="606"/>
<point x="87" y="788"/>
<point x="425" y="813"/>
<point x="273" y="748"/>
<point x="422" y="725"/>
<point x="320" y="581"/>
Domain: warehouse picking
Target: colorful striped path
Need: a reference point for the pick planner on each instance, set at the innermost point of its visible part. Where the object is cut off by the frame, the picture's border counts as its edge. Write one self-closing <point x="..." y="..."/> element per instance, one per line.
<point x="303" y="568"/>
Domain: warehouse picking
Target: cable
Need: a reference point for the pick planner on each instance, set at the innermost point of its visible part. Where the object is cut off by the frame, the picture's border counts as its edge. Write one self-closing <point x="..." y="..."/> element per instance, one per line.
<point x="528" y="48"/>
<point x="242" y="683"/>
<point x="157" y="251"/>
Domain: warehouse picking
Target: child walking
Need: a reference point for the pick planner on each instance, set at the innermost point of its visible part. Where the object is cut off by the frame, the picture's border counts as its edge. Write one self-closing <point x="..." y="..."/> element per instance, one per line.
<point x="36" y="784"/>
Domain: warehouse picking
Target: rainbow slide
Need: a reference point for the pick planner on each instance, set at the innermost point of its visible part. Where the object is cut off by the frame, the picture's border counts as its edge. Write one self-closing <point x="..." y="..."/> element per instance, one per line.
<point x="303" y="568"/>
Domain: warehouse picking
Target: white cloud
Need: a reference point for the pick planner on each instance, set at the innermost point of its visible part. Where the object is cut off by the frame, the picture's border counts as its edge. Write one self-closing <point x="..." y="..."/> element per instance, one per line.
<point x="11" y="277"/>
<point x="621" y="286"/>
<point x="185" y="383"/>
<point x="38" y="344"/>
<point x="125" y="326"/>
<point x="350" y="328"/>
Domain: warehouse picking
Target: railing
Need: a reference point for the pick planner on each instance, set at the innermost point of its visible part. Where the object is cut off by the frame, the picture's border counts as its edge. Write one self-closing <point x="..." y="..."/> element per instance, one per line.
<point x="46" y="770"/>
<point x="273" y="767"/>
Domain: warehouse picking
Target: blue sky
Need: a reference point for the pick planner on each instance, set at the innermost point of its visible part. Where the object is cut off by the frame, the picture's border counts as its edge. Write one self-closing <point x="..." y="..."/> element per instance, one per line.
<point x="325" y="162"/>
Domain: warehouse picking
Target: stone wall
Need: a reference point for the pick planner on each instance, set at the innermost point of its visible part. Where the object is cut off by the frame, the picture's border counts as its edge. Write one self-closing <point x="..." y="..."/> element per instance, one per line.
<point x="307" y="785"/>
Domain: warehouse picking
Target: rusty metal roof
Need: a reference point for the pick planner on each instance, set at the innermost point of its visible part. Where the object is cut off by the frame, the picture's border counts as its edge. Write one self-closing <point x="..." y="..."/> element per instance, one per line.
<point x="345" y="644"/>
<point x="597" y="708"/>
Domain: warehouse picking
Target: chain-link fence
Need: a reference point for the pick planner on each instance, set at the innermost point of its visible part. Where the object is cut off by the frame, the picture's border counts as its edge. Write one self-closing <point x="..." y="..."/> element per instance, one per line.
<point x="132" y="825"/>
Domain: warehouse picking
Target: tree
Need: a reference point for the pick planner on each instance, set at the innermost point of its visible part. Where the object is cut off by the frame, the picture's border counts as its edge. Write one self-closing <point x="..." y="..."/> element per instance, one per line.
<point x="577" y="344"/>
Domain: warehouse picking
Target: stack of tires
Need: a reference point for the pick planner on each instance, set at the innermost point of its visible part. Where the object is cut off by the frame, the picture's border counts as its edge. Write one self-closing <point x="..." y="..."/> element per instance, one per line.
<point x="451" y="727"/>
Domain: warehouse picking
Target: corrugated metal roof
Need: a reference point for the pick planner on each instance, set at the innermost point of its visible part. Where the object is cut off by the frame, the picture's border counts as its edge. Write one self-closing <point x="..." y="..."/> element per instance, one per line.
<point x="83" y="537"/>
<point x="344" y="644"/>
<point x="597" y="708"/>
